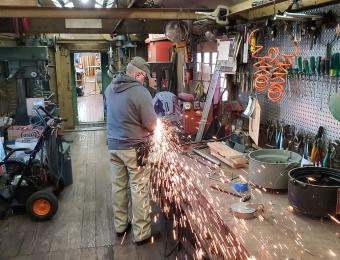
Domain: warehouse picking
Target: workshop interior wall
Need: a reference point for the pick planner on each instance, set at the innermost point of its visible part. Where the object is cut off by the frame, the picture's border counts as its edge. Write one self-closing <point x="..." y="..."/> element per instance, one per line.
<point x="7" y="87"/>
<point x="52" y="74"/>
<point x="305" y="112"/>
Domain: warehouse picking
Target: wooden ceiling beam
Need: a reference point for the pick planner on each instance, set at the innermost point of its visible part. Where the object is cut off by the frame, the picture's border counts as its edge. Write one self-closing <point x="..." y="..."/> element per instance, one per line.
<point x="246" y="10"/>
<point x="53" y="25"/>
<point x="99" y="13"/>
<point x="19" y="3"/>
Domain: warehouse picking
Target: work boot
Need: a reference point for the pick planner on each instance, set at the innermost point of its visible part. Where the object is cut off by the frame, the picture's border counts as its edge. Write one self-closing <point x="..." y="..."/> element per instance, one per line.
<point x="154" y="236"/>
<point x="127" y="229"/>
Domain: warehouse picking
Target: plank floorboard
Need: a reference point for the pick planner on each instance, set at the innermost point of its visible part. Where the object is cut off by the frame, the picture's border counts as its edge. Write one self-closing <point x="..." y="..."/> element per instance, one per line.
<point x="83" y="227"/>
<point x="103" y="214"/>
<point x="88" y="234"/>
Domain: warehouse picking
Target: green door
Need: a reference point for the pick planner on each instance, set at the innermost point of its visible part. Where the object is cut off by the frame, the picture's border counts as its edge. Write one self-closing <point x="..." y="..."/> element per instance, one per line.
<point x="74" y="91"/>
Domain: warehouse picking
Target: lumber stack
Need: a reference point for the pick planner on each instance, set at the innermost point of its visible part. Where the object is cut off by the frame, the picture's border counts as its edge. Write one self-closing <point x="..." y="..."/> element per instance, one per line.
<point x="228" y="155"/>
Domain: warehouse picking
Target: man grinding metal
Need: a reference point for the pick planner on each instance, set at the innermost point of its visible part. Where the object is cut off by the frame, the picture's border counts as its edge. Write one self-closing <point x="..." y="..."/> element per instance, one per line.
<point x="130" y="120"/>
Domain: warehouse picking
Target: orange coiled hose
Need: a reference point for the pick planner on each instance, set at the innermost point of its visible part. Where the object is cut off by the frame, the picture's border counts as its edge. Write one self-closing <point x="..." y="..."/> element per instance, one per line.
<point x="262" y="74"/>
<point x="271" y="72"/>
<point x="278" y="80"/>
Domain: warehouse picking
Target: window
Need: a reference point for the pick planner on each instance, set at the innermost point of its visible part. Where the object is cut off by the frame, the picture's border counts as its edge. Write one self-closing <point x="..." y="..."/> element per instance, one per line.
<point x="214" y="60"/>
<point x="206" y="59"/>
<point x="199" y="61"/>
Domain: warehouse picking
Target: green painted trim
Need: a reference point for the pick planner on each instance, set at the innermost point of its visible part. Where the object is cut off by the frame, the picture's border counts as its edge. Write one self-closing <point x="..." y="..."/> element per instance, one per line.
<point x="74" y="92"/>
<point x="106" y="80"/>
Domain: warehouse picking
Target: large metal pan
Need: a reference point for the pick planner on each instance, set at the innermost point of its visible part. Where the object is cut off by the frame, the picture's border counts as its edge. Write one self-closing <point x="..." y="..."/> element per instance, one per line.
<point x="313" y="190"/>
<point x="269" y="168"/>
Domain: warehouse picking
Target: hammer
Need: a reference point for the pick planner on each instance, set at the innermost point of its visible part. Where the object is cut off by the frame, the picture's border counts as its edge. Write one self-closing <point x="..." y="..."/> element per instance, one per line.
<point x="243" y="198"/>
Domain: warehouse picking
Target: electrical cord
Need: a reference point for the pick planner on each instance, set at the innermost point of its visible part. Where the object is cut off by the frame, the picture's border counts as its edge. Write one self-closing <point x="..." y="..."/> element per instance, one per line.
<point x="54" y="153"/>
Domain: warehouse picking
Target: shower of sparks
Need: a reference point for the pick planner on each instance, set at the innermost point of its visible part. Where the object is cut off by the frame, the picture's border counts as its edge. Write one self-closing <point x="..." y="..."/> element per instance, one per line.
<point x="310" y="179"/>
<point x="121" y="243"/>
<point x="331" y="253"/>
<point x="174" y="180"/>
<point x="334" y="219"/>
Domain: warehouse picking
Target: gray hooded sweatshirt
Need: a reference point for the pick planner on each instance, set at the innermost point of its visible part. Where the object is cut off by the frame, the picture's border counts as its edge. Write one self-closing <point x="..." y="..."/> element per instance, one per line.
<point x="130" y="113"/>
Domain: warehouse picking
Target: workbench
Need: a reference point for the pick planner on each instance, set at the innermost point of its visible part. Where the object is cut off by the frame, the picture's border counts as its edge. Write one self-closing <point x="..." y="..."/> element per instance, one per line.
<point x="279" y="232"/>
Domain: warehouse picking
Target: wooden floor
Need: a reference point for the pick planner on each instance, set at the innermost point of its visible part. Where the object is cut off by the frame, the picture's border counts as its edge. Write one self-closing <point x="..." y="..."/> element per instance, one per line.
<point x="83" y="227"/>
<point x="91" y="105"/>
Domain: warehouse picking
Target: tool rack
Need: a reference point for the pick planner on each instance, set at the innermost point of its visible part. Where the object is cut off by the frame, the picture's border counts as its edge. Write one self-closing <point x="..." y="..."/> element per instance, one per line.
<point x="305" y="112"/>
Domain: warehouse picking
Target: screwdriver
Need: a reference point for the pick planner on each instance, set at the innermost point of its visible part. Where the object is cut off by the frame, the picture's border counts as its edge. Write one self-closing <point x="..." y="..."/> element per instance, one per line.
<point x="336" y="69"/>
<point x="289" y="76"/>
<point x="327" y="63"/>
<point x="294" y="68"/>
<point x="306" y="72"/>
<point x="299" y="70"/>
<point x="323" y="73"/>
<point x="312" y="72"/>
<point x="318" y="72"/>
<point x="332" y="66"/>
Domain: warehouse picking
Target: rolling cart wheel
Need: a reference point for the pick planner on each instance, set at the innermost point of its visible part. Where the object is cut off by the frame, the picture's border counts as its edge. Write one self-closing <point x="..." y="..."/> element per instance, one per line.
<point x="42" y="205"/>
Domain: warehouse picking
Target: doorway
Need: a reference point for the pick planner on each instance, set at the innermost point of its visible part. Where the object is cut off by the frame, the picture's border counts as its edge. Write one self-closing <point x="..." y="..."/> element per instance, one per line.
<point x="89" y="90"/>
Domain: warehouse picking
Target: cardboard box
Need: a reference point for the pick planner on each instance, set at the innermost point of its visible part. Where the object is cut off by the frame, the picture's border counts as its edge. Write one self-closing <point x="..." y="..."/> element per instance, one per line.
<point x="15" y="132"/>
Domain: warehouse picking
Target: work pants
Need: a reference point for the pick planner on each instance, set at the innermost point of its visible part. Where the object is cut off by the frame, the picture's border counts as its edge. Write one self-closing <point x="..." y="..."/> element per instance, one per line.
<point x="125" y="172"/>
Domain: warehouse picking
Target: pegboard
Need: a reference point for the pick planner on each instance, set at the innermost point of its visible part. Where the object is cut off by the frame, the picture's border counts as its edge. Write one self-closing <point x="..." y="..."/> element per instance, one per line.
<point x="306" y="105"/>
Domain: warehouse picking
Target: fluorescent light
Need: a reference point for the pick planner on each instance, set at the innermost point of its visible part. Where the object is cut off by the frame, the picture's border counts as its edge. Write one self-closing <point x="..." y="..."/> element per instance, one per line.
<point x="109" y="4"/>
<point x="56" y="3"/>
<point x="69" y="5"/>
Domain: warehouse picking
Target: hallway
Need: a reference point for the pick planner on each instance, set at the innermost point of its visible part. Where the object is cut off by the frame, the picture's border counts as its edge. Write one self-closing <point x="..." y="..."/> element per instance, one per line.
<point x="91" y="105"/>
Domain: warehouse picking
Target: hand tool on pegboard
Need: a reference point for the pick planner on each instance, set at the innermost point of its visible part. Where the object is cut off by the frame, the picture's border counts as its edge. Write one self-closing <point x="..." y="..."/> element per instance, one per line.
<point x="317" y="150"/>
<point x="299" y="73"/>
<point x="322" y="73"/>
<point x="336" y="69"/>
<point x="306" y="72"/>
<point x="313" y="73"/>
<point x="332" y="65"/>
<point x="295" y="75"/>
<point x="327" y="63"/>
<point x="326" y="162"/>
<point x="335" y="155"/>
<point x="317" y="74"/>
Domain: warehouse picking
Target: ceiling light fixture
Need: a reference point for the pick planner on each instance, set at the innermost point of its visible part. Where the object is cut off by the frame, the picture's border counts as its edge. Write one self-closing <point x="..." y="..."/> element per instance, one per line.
<point x="109" y="4"/>
<point x="69" y="5"/>
<point x="84" y="1"/>
<point x="56" y="3"/>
